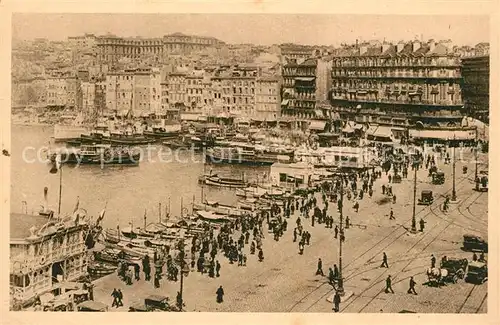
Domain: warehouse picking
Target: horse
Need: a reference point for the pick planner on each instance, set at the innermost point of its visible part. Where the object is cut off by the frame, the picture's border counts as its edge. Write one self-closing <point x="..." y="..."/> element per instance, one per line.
<point x="436" y="275"/>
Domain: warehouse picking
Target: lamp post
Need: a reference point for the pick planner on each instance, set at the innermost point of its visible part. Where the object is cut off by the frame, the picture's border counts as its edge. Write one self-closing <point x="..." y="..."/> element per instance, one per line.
<point x="453" y="192"/>
<point x="340" y="288"/>
<point x="184" y="271"/>
<point x="413" y="220"/>
<point x="476" y="149"/>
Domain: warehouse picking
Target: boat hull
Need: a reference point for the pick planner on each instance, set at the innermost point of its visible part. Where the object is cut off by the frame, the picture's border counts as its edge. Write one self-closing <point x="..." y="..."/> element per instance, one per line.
<point x="75" y="158"/>
<point x="234" y="160"/>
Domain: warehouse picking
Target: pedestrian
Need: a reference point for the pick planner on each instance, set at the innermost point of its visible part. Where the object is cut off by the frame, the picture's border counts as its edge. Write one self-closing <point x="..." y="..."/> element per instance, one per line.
<point x="294" y="235"/>
<point x="217" y="268"/>
<point x="220" y="295"/>
<point x="157" y="280"/>
<point x="433" y="261"/>
<point x="261" y="255"/>
<point x="422" y="225"/>
<point x="336" y="231"/>
<point x="244" y="260"/>
<point x="137" y="272"/>
<point x="356" y="206"/>
<point x="331" y="276"/>
<point x="388" y="285"/>
<point x="384" y="261"/>
<point x="391" y="215"/>
<point x="336" y="302"/>
<point x="383" y="189"/>
<point x="347" y="223"/>
<point x="443" y="260"/>
<point x="481" y="257"/>
<point x="319" y="271"/>
<point x="120" y="298"/>
<point x="114" y="294"/>
<point x="336" y="273"/>
<point x="412" y="286"/>
<point x="474" y="257"/>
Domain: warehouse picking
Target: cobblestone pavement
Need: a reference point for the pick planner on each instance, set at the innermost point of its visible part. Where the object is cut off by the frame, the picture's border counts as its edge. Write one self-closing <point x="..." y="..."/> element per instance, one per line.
<point x="286" y="282"/>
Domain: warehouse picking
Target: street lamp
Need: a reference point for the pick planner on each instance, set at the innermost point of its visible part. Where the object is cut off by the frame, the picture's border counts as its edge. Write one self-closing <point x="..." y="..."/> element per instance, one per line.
<point x="453" y="192"/>
<point x="340" y="287"/>
<point x="413" y="220"/>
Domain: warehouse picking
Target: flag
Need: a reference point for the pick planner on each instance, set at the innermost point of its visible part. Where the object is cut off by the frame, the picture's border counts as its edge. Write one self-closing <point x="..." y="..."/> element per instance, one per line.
<point x="77" y="204"/>
<point x="101" y="216"/>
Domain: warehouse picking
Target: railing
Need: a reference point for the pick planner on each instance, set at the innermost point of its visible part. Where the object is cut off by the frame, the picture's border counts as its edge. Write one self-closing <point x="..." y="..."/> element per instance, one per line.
<point x="399" y="75"/>
<point x="395" y="101"/>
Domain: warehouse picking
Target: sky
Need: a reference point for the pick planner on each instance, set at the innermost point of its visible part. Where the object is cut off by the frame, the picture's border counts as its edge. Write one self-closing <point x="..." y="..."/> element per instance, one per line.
<point x="263" y="29"/>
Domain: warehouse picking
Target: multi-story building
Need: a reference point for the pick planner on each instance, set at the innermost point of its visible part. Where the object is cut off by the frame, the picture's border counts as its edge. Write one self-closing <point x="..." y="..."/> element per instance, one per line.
<point x="294" y="53"/>
<point x="73" y="92"/>
<point x="238" y="90"/>
<point x="476" y="83"/>
<point x="56" y="91"/>
<point x="88" y="90"/>
<point x="267" y="98"/>
<point x="119" y="92"/>
<point x="194" y="92"/>
<point x="402" y="84"/>
<point x="137" y="91"/>
<point x="44" y="254"/>
<point x="86" y="40"/>
<point x="304" y="85"/>
<point x="112" y="48"/>
<point x="180" y="43"/>
<point x="176" y="90"/>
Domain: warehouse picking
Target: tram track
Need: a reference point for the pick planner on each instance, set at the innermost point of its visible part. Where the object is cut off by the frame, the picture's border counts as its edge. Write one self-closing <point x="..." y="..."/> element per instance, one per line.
<point x="376" y="254"/>
<point x="459" y="310"/>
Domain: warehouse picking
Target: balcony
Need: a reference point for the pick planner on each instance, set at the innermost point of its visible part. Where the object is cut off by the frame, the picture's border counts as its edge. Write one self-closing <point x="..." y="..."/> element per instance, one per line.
<point x="398" y="75"/>
<point x="423" y="102"/>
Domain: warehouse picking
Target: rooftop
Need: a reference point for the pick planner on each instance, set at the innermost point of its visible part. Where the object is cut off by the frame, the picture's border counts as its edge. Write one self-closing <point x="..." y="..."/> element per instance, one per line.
<point x="20" y="224"/>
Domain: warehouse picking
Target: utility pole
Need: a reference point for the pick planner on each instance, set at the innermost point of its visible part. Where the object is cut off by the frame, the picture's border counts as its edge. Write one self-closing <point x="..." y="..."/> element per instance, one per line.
<point x="476" y="149"/>
<point x="453" y="192"/>
<point x="340" y="288"/>
<point x="413" y="220"/>
<point x="60" y="190"/>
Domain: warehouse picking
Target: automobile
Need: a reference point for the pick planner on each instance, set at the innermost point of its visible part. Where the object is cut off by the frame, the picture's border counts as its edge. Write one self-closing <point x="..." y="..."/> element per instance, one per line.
<point x="477" y="272"/>
<point x="475" y="243"/>
<point x="426" y="198"/>
<point x="92" y="306"/>
<point x="438" y="178"/>
<point x="157" y="302"/>
<point x="456" y="269"/>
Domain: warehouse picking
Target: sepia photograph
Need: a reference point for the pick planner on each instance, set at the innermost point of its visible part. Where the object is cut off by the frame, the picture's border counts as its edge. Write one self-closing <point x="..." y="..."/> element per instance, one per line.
<point x="249" y="163"/>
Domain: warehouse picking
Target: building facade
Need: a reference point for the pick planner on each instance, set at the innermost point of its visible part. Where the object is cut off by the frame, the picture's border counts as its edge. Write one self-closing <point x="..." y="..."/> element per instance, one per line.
<point x="476" y="85"/>
<point x="44" y="254"/>
<point x="112" y="48"/>
<point x="305" y="85"/>
<point x="402" y="84"/>
<point x="267" y="99"/>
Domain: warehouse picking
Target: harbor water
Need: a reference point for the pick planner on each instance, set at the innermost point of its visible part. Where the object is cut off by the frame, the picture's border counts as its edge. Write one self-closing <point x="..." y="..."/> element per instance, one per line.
<point x="128" y="192"/>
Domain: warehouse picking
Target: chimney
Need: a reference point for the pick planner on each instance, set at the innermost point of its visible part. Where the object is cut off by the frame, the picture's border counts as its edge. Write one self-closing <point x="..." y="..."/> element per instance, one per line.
<point x="400" y="46"/>
<point x="416" y="46"/>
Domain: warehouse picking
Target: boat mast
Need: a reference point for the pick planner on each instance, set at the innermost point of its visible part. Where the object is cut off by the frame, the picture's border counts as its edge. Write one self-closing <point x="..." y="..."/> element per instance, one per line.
<point x="182" y="208"/>
<point x="159" y="212"/>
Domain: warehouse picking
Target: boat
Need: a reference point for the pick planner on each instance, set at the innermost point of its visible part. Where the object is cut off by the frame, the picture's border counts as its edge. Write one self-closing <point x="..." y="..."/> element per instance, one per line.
<point x="97" y="154"/>
<point x="134" y="139"/>
<point x="70" y="130"/>
<point x="218" y="208"/>
<point x="211" y="217"/>
<point x="238" y="155"/>
<point x="99" y="269"/>
<point x="99" y="134"/>
<point x="251" y="204"/>
<point x="176" y="143"/>
<point x="216" y="180"/>
<point x="163" y="132"/>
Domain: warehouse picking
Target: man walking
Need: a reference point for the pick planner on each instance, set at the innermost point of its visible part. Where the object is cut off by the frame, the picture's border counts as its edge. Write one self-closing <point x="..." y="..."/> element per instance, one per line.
<point x="220" y="295"/>
<point x="433" y="261"/>
<point x="388" y="285"/>
<point x="391" y="215"/>
<point x="319" y="271"/>
<point x="412" y="286"/>
<point x="336" y="231"/>
<point x="422" y="225"/>
<point x="384" y="261"/>
<point x="336" y="302"/>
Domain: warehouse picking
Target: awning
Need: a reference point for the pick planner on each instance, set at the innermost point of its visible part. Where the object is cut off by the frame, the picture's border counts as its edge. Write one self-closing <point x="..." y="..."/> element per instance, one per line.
<point x="189" y="117"/>
<point x="317" y="125"/>
<point x="304" y="79"/>
<point x="284" y="102"/>
<point x="383" y="132"/>
<point x="443" y="134"/>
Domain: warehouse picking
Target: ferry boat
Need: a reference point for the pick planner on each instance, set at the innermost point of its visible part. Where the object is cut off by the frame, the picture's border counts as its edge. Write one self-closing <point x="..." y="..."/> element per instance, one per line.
<point x="97" y="154"/>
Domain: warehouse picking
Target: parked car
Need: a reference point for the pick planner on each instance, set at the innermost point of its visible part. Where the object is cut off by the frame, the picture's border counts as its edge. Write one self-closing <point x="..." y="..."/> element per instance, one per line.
<point x="477" y="272"/>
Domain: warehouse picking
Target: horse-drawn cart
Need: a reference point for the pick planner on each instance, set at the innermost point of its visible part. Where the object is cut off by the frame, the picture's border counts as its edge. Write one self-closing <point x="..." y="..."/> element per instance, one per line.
<point x="451" y="270"/>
